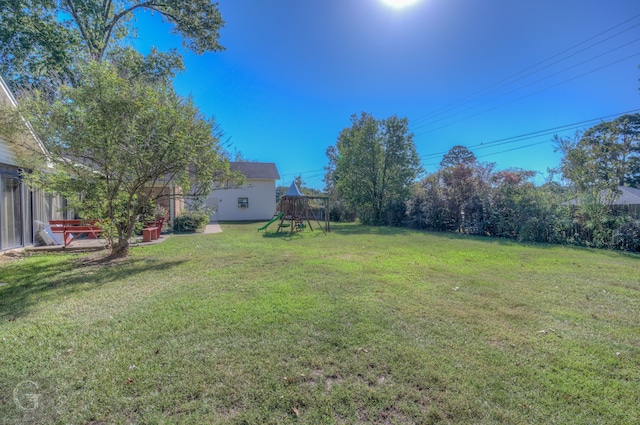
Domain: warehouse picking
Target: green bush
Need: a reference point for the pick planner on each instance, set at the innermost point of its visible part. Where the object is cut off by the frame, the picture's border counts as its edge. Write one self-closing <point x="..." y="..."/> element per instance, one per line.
<point x="627" y="236"/>
<point x="190" y="221"/>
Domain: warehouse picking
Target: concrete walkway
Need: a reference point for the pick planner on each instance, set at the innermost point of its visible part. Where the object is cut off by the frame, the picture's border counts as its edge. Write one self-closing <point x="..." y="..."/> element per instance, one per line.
<point x="85" y="244"/>
<point x="212" y="227"/>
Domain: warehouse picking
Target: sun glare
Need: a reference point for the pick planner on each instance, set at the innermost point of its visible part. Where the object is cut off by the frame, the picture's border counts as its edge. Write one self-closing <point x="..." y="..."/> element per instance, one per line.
<point x="400" y="3"/>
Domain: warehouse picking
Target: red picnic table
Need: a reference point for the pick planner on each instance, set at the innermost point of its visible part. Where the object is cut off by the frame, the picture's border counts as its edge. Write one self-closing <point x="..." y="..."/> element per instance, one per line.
<point x="72" y="228"/>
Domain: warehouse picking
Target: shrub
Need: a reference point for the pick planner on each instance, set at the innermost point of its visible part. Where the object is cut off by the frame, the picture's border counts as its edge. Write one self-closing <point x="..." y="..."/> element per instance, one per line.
<point x="397" y="213"/>
<point x="340" y="213"/>
<point x="190" y="221"/>
<point x="627" y="236"/>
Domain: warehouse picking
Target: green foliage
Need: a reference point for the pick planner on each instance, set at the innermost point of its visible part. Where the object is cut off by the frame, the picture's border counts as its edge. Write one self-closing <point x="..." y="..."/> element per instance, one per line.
<point x="429" y="207"/>
<point x="339" y="213"/>
<point x="627" y="236"/>
<point x="472" y="198"/>
<point x="42" y="39"/>
<point x="595" y="223"/>
<point x="35" y="46"/>
<point x="119" y="143"/>
<point x="396" y="213"/>
<point x="605" y="156"/>
<point x="453" y="198"/>
<point x="191" y="221"/>
<point x="457" y="155"/>
<point x="156" y="67"/>
<point x="372" y="166"/>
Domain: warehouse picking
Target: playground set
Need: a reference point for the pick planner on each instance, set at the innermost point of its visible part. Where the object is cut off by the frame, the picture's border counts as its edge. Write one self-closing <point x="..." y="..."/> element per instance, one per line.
<point x="295" y="213"/>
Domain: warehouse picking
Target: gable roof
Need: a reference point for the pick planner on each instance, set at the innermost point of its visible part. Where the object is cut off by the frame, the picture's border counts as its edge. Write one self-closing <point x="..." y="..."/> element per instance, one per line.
<point x="626" y="196"/>
<point x="256" y="170"/>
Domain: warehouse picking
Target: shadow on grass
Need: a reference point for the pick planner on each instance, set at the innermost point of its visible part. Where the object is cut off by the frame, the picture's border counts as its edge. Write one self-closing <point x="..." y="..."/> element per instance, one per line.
<point x="27" y="284"/>
<point x="360" y="229"/>
<point x="505" y="241"/>
<point x="286" y="236"/>
<point x="345" y="229"/>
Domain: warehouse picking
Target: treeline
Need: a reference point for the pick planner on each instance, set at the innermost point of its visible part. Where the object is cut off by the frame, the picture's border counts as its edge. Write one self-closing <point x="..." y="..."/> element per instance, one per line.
<point x="477" y="200"/>
<point x="471" y="197"/>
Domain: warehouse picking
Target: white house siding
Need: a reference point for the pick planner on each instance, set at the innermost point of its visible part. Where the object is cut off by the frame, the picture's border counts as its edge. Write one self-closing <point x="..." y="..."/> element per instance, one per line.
<point x="261" y="196"/>
<point x="23" y="212"/>
<point x="6" y="155"/>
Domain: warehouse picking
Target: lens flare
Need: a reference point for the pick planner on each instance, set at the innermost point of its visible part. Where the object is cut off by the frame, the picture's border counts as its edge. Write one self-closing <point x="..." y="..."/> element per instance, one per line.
<point x="400" y="3"/>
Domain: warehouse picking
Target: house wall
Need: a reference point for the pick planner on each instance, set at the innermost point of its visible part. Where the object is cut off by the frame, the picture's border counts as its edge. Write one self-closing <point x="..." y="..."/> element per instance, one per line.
<point x="23" y="212"/>
<point x="261" y="196"/>
<point x="6" y="156"/>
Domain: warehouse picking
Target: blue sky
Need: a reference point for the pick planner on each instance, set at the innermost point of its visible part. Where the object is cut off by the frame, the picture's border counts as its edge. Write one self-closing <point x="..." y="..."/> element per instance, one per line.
<point x="462" y="71"/>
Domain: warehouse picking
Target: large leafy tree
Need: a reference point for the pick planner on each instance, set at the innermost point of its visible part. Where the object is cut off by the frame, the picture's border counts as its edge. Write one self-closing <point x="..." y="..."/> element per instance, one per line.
<point x="34" y="44"/>
<point x="462" y="180"/>
<point x="118" y="142"/>
<point x="603" y="157"/>
<point x="458" y="155"/>
<point x="373" y="165"/>
<point x="39" y="38"/>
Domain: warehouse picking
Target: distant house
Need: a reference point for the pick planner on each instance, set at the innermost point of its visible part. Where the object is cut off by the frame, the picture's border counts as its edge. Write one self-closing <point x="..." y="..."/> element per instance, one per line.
<point x="23" y="212"/>
<point x="625" y="198"/>
<point x="255" y="200"/>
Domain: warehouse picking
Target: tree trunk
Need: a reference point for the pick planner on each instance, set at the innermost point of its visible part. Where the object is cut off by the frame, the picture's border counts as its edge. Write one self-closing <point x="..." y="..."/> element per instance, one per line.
<point x="120" y="248"/>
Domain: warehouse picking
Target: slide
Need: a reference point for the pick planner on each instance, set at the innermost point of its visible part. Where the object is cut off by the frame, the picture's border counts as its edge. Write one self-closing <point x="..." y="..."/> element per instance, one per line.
<point x="277" y="217"/>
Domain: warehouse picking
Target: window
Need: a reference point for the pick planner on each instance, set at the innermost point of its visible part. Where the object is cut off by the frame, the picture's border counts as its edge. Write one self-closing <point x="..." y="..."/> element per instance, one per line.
<point x="243" y="202"/>
<point x="11" y="212"/>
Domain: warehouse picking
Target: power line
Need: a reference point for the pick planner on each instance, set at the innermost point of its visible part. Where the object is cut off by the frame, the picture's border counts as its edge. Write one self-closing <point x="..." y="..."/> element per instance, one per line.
<point x="530" y="94"/>
<point x="431" y="118"/>
<point x="503" y="83"/>
<point x="300" y="173"/>
<point x="502" y="151"/>
<point x="536" y="82"/>
<point x="530" y="135"/>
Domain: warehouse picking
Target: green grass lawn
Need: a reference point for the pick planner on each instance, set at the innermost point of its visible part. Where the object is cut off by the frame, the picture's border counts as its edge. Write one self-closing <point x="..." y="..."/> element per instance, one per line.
<point x="363" y="325"/>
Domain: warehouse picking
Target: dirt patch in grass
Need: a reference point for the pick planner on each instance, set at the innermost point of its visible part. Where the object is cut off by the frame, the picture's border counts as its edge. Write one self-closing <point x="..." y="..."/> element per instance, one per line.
<point x="10" y="256"/>
<point x="100" y="260"/>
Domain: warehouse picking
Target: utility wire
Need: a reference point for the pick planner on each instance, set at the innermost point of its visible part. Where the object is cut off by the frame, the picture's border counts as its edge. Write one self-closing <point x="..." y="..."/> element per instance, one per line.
<point x="499" y="152"/>
<point x="527" y="136"/>
<point x="530" y="94"/>
<point x="319" y="173"/>
<point x="503" y="82"/>
<point x="535" y="134"/>
<point x="534" y="83"/>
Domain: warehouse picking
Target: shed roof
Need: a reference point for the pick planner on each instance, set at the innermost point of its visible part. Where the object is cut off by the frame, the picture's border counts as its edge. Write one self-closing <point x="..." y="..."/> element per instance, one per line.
<point x="256" y="170"/>
<point x="627" y="196"/>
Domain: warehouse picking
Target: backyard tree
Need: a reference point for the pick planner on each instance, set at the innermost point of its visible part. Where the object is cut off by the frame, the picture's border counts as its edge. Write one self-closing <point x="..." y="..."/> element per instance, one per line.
<point x="115" y="143"/>
<point x="457" y="155"/>
<point x="34" y="44"/>
<point x="605" y="156"/>
<point x="41" y="38"/>
<point x="373" y="165"/>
